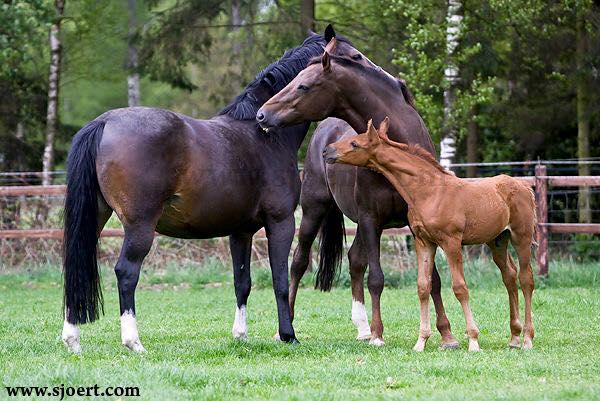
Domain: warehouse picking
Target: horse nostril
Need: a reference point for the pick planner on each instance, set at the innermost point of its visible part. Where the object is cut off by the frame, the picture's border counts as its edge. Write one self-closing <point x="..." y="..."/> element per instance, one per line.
<point x="260" y="116"/>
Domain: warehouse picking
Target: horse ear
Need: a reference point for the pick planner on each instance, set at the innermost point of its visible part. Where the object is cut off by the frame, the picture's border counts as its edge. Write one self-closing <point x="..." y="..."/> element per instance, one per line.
<point x="312" y="33"/>
<point x="372" y="132"/>
<point x="383" y="128"/>
<point x="326" y="62"/>
<point x="331" y="45"/>
<point x="329" y="33"/>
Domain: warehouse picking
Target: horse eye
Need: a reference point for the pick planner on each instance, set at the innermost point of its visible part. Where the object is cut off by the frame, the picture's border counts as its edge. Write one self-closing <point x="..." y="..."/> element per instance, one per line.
<point x="357" y="57"/>
<point x="354" y="144"/>
<point x="303" y="87"/>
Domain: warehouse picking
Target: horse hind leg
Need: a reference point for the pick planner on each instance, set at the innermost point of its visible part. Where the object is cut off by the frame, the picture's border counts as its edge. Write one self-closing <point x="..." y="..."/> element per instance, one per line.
<point x="502" y="259"/>
<point x="136" y="245"/>
<point x="522" y="240"/>
<point x="71" y="333"/>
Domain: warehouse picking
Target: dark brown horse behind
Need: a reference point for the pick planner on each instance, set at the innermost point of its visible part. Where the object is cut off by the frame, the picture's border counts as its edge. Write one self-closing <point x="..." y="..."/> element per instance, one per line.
<point x="343" y="83"/>
<point x="166" y="172"/>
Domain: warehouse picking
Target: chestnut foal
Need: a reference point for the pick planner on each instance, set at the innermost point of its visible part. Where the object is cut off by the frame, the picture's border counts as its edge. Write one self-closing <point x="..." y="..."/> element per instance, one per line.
<point x="494" y="211"/>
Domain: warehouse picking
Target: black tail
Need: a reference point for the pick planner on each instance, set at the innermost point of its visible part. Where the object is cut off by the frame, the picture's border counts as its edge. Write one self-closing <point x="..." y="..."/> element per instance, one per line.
<point x="82" y="291"/>
<point x="331" y="247"/>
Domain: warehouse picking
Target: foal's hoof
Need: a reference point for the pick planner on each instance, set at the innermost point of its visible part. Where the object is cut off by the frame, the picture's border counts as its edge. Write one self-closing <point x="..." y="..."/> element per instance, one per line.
<point x="72" y="344"/>
<point x="135" y="346"/>
<point x="377" y="342"/>
<point x="449" y="345"/>
<point x="527" y="344"/>
<point x="239" y="335"/>
<point x="474" y="346"/>
<point x="363" y="337"/>
<point x="515" y="342"/>
<point x="276" y="337"/>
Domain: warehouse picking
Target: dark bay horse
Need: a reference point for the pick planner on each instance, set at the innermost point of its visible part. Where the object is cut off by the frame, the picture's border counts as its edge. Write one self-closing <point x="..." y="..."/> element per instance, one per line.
<point x="343" y="83"/>
<point x="165" y="172"/>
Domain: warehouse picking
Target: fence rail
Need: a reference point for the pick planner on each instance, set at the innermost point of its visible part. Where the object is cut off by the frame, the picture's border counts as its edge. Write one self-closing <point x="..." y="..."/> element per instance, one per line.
<point x="541" y="181"/>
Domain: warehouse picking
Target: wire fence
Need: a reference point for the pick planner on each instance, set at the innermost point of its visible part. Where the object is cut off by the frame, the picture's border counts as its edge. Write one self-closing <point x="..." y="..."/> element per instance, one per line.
<point x="44" y="212"/>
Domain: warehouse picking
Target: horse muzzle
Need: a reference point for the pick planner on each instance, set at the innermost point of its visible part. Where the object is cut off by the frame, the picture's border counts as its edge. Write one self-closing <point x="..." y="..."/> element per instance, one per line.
<point x="330" y="155"/>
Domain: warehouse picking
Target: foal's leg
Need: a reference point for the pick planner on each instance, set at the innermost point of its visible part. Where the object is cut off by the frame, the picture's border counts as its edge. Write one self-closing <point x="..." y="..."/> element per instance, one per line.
<point x="442" y="323"/>
<point x="371" y="237"/>
<point x="136" y="245"/>
<point x="459" y="286"/>
<point x="279" y="236"/>
<point x="499" y="247"/>
<point x="70" y="333"/>
<point x="241" y="250"/>
<point x="425" y="258"/>
<point x="522" y="244"/>
<point x="358" y="265"/>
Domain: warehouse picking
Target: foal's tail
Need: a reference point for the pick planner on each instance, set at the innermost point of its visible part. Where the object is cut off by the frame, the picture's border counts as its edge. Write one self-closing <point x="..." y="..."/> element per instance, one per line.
<point x="331" y="247"/>
<point x="82" y="300"/>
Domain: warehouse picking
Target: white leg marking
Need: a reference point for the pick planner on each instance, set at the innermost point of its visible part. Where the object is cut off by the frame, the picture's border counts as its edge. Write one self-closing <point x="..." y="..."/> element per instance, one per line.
<point x="70" y="336"/>
<point x="129" y="332"/>
<point x="360" y="320"/>
<point x="240" y="327"/>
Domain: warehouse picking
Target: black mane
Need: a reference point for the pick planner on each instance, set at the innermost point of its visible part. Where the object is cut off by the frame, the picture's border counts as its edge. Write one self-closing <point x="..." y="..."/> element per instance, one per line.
<point x="281" y="72"/>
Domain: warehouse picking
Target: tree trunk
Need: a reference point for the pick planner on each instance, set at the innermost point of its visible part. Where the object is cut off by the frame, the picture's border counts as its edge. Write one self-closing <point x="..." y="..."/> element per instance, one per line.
<point x="236" y="21"/>
<point x="472" y="144"/>
<point x="133" y="79"/>
<point x="53" y="82"/>
<point x="451" y="75"/>
<point x="307" y="16"/>
<point x="583" y="114"/>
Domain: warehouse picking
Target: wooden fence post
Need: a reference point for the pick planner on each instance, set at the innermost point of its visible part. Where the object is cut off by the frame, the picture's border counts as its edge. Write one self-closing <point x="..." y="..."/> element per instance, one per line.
<point x="541" y="199"/>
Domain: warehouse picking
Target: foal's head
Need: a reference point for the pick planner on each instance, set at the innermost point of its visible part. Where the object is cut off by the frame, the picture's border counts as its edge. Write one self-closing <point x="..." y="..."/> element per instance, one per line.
<point x="315" y="92"/>
<point x="358" y="150"/>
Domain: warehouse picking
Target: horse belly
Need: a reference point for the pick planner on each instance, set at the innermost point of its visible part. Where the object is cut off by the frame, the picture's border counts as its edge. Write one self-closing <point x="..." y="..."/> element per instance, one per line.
<point x="486" y="220"/>
<point x="214" y="213"/>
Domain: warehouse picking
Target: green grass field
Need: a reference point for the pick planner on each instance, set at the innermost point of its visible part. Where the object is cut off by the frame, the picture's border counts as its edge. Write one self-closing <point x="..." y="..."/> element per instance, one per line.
<point x="191" y="355"/>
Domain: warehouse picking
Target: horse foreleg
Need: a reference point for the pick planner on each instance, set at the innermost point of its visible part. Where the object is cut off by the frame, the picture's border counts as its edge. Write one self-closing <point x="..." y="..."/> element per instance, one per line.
<point x="425" y="258"/>
<point x="136" y="245"/>
<point x="461" y="291"/>
<point x="241" y="251"/>
<point x="357" y="258"/>
<point x="279" y="237"/>
<point x="371" y="237"/>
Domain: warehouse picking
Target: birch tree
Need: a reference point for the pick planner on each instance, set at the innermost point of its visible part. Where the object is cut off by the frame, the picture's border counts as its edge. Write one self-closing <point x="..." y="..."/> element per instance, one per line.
<point x="133" y="79"/>
<point x="451" y="76"/>
<point x="53" y="85"/>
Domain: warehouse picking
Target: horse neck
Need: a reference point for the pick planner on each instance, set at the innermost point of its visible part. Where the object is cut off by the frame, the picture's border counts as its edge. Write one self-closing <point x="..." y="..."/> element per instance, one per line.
<point x="292" y="137"/>
<point x="364" y="98"/>
<point x="417" y="180"/>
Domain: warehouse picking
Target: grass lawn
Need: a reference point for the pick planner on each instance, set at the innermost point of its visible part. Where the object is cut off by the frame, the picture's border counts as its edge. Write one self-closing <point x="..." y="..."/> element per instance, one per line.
<point x="191" y="355"/>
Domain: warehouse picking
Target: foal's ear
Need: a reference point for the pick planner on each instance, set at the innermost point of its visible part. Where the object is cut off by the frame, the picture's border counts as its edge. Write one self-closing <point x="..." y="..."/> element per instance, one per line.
<point x="372" y="132"/>
<point x="326" y="62"/>
<point x="383" y="129"/>
<point x="329" y="33"/>
<point x="331" y="45"/>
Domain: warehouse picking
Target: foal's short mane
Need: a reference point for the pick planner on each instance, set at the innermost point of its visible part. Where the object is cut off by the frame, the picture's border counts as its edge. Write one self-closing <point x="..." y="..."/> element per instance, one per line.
<point x="417" y="150"/>
<point x="280" y="73"/>
<point x="375" y="73"/>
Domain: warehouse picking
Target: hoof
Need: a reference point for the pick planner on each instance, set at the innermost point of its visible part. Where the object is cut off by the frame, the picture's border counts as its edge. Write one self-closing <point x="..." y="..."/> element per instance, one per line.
<point x="515" y="343"/>
<point x="419" y="347"/>
<point x="276" y="337"/>
<point x="364" y="336"/>
<point x="294" y="342"/>
<point x="135" y="346"/>
<point x="239" y="335"/>
<point x="377" y="342"/>
<point x="527" y="344"/>
<point x="474" y="346"/>
<point x="449" y="345"/>
<point x="73" y="344"/>
<point x="70" y="337"/>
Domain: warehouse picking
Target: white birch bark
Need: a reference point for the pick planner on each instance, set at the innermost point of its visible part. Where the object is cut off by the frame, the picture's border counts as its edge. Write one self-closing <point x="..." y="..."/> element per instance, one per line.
<point x="451" y="75"/>
<point x="133" y="79"/>
<point x="53" y="83"/>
